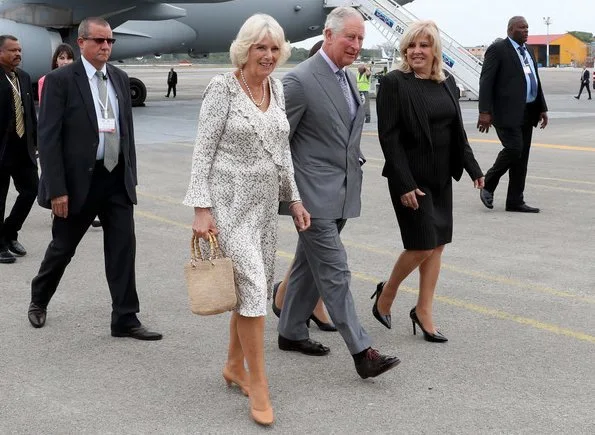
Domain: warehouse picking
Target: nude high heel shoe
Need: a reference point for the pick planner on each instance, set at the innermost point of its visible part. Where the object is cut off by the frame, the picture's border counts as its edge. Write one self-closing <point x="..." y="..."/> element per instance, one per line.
<point x="264" y="417"/>
<point x="232" y="378"/>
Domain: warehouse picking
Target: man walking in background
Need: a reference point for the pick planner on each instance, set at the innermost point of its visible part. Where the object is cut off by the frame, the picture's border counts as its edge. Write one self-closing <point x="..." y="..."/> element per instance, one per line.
<point x="584" y="83"/>
<point x="172" y="81"/>
<point x="510" y="98"/>
<point x="18" y="139"/>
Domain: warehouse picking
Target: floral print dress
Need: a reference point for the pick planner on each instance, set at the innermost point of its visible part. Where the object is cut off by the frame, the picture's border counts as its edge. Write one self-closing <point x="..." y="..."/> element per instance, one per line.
<point x="241" y="169"/>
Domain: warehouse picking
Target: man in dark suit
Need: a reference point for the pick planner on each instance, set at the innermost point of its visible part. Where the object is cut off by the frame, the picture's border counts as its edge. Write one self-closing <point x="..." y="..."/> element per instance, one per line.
<point x="172" y="81"/>
<point x="326" y="118"/>
<point x="18" y="135"/>
<point x="584" y="83"/>
<point x="88" y="169"/>
<point x="510" y="98"/>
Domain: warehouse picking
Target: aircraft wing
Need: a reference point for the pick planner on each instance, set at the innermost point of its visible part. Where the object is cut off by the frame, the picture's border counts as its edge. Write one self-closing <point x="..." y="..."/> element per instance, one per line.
<point x="67" y="13"/>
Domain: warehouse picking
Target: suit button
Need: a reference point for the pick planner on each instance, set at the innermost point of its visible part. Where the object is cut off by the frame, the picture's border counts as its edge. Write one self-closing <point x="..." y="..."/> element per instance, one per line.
<point x="91" y="169"/>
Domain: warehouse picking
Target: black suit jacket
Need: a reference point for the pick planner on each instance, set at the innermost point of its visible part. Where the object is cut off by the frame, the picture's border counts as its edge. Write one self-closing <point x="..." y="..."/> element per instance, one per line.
<point x="69" y="135"/>
<point x="7" y="115"/>
<point x="503" y="87"/>
<point x="172" y="78"/>
<point x="586" y="77"/>
<point x="405" y="136"/>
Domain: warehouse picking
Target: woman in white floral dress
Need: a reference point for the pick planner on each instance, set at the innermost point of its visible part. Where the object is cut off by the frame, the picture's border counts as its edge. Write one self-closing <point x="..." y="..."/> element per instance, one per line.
<point x="241" y="169"/>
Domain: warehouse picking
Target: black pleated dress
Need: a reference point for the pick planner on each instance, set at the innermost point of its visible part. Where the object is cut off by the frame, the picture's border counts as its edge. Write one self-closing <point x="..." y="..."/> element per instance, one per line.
<point x="431" y="224"/>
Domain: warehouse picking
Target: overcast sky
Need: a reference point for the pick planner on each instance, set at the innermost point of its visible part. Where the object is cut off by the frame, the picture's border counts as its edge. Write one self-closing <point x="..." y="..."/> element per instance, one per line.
<point x="476" y="22"/>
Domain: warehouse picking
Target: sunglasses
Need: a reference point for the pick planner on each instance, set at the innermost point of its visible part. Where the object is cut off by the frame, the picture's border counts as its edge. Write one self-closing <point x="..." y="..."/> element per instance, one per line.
<point x="100" y="41"/>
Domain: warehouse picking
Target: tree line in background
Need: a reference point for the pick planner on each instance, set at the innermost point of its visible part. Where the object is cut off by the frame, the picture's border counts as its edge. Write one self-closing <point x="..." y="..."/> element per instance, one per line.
<point x="297" y="56"/>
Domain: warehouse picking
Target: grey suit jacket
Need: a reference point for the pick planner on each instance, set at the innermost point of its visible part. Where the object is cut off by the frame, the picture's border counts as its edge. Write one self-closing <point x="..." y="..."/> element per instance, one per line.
<point x="325" y="143"/>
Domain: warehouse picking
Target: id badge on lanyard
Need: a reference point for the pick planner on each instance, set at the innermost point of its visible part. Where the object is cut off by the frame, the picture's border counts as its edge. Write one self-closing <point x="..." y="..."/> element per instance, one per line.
<point x="105" y="124"/>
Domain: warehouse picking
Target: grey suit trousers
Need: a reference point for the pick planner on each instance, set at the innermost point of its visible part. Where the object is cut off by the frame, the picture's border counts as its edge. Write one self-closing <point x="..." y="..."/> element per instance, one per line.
<point x="320" y="269"/>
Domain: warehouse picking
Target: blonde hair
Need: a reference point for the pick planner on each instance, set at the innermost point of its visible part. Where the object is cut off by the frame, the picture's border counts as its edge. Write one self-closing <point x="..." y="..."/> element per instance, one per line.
<point x="417" y="30"/>
<point x="254" y="30"/>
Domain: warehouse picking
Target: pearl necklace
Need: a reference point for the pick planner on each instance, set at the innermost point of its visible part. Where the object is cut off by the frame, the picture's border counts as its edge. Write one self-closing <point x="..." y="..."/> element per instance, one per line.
<point x="250" y="92"/>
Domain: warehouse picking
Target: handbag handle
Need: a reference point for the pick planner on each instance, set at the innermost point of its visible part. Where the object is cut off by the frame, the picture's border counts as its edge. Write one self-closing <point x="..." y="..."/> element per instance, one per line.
<point x="196" y="253"/>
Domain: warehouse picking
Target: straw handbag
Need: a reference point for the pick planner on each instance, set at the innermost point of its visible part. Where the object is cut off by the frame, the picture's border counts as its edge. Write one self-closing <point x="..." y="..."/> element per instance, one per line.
<point x="210" y="281"/>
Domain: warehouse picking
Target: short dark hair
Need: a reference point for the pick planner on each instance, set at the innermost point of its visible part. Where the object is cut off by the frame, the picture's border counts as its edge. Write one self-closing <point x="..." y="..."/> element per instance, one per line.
<point x="3" y="39"/>
<point x="62" y="48"/>
<point x="84" y="26"/>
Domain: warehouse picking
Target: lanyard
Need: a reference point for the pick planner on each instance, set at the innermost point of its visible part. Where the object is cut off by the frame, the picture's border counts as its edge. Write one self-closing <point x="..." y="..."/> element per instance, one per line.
<point x="17" y="89"/>
<point x="103" y="105"/>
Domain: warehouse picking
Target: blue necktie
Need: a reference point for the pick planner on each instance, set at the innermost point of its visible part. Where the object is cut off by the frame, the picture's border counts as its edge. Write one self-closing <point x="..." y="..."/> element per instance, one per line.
<point x="346" y="92"/>
<point x="533" y="91"/>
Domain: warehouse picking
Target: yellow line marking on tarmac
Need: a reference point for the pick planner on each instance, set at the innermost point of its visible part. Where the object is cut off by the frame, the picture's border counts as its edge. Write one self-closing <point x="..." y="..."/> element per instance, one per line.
<point x="562" y="180"/>
<point x="502" y="315"/>
<point x="384" y="252"/>
<point x="484" y="276"/>
<point x="539" y="145"/>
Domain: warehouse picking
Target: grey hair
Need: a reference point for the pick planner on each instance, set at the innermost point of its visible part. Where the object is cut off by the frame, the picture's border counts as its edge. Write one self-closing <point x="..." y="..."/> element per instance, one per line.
<point x="427" y="29"/>
<point x="3" y="39"/>
<point x="84" y="26"/>
<point x="335" y="21"/>
<point x="255" y="29"/>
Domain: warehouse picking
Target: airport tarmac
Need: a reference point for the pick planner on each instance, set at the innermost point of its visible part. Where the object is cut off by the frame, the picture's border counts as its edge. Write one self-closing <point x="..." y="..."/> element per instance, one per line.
<point x="516" y="298"/>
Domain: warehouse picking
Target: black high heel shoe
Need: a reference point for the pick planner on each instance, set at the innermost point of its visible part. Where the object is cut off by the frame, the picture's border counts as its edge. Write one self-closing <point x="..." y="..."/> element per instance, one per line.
<point x="437" y="337"/>
<point x="276" y="309"/>
<point x="384" y="319"/>
<point x="323" y="326"/>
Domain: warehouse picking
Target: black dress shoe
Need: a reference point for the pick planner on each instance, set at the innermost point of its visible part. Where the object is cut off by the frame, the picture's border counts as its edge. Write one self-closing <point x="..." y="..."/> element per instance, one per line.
<point x="276" y="309"/>
<point x="307" y="346"/>
<point x="523" y="208"/>
<point x="436" y="337"/>
<point x="323" y="326"/>
<point x="138" y="332"/>
<point x="16" y="248"/>
<point x="6" y="257"/>
<point x="487" y="198"/>
<point x="385" y="319"/>
<point x="37" y="315"/>
<point x="96" y="223"/>
<point x="372" y="363"/>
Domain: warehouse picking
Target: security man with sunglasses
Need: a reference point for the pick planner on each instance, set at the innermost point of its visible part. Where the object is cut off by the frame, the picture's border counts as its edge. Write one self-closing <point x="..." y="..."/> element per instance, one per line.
<point x="88" y="168"/>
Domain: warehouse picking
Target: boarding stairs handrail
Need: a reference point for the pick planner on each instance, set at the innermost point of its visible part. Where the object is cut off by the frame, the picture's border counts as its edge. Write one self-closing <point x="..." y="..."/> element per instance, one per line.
<point x="392" y="20"/>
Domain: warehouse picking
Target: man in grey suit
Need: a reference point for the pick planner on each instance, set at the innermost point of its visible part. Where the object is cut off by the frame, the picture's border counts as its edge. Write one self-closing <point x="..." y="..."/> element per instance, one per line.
<point x="326" y="118"/>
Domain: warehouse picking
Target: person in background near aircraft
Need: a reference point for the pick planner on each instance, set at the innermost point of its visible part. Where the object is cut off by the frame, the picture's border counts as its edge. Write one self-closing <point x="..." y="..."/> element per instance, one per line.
<point x="364" y="77"/>
<point x="63" y="55"/>
<point x="241" y="169"/>
<point x="425" y="146"/>
<point x="510" y="98"/>
<point x="319" y="315"/>
<point x="326" y="118"/>
<point x="172" y="81"/>
<point x="18" y="140"/>
<point x="88" y="168"/>
<point x="584" y="83"/>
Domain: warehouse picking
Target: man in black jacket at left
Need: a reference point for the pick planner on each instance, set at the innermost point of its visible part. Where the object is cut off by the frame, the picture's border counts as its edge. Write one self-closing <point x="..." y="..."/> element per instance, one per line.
<point x="18" y="141"/>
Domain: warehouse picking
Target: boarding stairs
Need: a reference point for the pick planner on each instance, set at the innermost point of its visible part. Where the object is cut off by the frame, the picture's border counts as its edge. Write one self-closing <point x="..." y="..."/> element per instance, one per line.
<point x="392" y="20"/>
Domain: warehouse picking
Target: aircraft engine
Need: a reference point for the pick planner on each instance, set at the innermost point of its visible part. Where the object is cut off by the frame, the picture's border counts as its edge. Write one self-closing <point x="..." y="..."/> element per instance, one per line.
<point x="38" y="46"/>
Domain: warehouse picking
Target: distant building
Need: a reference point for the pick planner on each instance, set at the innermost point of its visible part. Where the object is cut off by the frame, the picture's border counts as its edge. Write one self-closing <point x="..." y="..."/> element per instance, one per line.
<point x="478" y="51"/>
<point x="565" y="49"/>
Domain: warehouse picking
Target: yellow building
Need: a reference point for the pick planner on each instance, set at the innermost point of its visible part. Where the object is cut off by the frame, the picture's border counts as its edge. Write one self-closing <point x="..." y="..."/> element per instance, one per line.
<point x="565" y="49"/>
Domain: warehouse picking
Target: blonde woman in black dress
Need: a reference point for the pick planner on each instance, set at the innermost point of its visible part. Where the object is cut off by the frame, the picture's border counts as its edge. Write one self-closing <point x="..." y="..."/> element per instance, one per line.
<point x="425" y="146"/>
